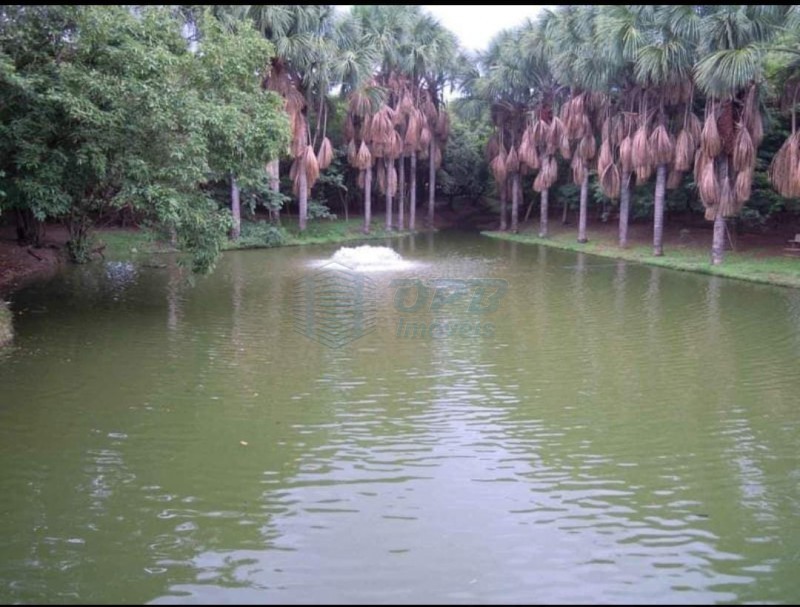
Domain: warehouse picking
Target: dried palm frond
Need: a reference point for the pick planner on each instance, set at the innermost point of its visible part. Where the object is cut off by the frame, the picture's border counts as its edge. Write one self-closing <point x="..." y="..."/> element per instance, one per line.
<point x="512" y="161"/>
<point x="299" y="134"/>
<point x="710" y="141"/>
<point x="684" y="151"/>
<point x="610" y="181"/>
<point x="382" y="125"/>
<point x="695" y="127"/>
<point x="555" y="132"/>
<point x="437" y="156"/>
<point x="579" y="170"/>
<point x="756" y="127"/>
<point x="424" y="139"/>
<point x="352" y="152"/>
<point x="412" y="129"/>
<point x="744" y="152"/>
<point x="548" y="173"/>
<point x="394" y="148"/>
<point x="540" y="132"/>
<point x="707" y="185"/>
<point x="605" y="158"/>
<point x="325" y="154"/>
<point x="406" y="105"/>
<point x="527" y="151"/>
<point x="587" y="148"/>
<point x="617" y="130"/>
<point x="605" y="130"/>
<point x="643" y="173"/>
<point x="743" y="187"/>
<point x="360" y="103"/>
<point x="364" y="157"/>
<point x="674" y="179"/>
<point x="360" y="180"/>
<point x="563" y="147"/>
<point x="311" y="166"/>
<point x="626" y="155"/>
<point x="498" y="167"/>
<point x="784" y="172"/>
<point x="661" y="146"/>
<point x="641" y="151"/>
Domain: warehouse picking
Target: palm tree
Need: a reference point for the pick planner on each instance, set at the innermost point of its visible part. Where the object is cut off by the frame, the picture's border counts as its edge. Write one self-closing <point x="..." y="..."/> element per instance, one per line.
<point x="784" y="170"/>
<point x="575" y="62"/>
<point x="306" y="66"/>
<point x="729" y="72"/>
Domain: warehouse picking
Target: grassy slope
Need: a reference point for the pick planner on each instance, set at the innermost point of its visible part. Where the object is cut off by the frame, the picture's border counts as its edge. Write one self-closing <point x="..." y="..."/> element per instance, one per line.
<point x="750" y="266"/>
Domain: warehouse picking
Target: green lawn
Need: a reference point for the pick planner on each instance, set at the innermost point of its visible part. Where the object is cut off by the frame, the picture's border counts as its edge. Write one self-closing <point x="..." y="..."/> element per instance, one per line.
<point x="754" y="265"/>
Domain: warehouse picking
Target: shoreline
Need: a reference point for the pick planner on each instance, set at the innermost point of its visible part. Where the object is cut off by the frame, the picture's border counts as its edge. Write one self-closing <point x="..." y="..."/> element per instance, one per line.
<point x="770" y="269"/>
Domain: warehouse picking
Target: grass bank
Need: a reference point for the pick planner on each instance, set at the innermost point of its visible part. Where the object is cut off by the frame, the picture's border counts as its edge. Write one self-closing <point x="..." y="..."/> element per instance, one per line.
<point x="754" y="265"/>
<point x="137" y="244"/>
<point x="6" y="325"/>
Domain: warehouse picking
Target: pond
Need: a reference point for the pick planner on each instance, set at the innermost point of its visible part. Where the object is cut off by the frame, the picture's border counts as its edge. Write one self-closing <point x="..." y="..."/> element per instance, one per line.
<point x="502" y="423"/>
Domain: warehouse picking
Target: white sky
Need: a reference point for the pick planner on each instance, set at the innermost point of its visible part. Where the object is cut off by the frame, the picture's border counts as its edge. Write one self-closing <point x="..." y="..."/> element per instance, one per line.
<point x="475" y="26"/>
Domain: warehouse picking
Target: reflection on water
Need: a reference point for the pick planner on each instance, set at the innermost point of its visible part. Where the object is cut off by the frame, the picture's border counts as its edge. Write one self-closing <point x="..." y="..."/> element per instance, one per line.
<point x="627" y="434"/>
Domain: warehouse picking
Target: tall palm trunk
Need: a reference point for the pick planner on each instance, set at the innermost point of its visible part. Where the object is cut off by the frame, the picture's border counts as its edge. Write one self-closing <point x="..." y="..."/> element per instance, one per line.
<point x="367" y="199"/>
<point x="624" y="209"/>
<point x="583" y="212"/>
<point x="302" y="196"/>
<point x="658" y="210"/>
<point x="388" y="166"/>
<point x="503" y="209"/>
<point x="273" y="174"/>
<point x="412" y="193"/>
<point x="431" y="183"/>
<point x="236" y="212"/>
<point x="401" y="194"/>
<point x="718" y="241"/>
<point x="515" y="203"/>
<point x="543" y="213"/>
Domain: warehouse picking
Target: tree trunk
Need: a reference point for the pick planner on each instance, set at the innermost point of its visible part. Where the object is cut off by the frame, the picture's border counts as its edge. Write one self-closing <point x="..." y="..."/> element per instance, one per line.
<point x="515" y="203"/>
<point x="273" y="173"/>
<point x="387" y="163"/>
<point x="302" y="195"/>
<point x="564" y="211"/>
<point x="401" y="194"/>
<point x="236" y="211"/>
<point x="624" y="209"/>
<point x="431" y="183"/>
<point x="658" y="210"/>
<point x="412" y="194"/>
<point x="543" y="214"/>
<point x="718" y="243"/>
<point x="583" y="212"/>
<point x="503" y="209"/>
<point x="367" y="199"/>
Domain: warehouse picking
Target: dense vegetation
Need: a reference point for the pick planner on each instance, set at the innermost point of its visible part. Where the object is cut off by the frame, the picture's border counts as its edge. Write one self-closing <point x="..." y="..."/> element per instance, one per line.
<point x="186" y="117"/>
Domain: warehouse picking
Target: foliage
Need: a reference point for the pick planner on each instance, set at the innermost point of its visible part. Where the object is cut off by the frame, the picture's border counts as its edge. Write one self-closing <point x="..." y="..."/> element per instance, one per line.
<point x="464" y="171"/>
<point x="106" y="106"/>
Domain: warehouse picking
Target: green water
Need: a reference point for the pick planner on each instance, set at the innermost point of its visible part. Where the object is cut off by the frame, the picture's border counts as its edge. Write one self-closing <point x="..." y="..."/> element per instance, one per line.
<point x="621" y="434"/>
